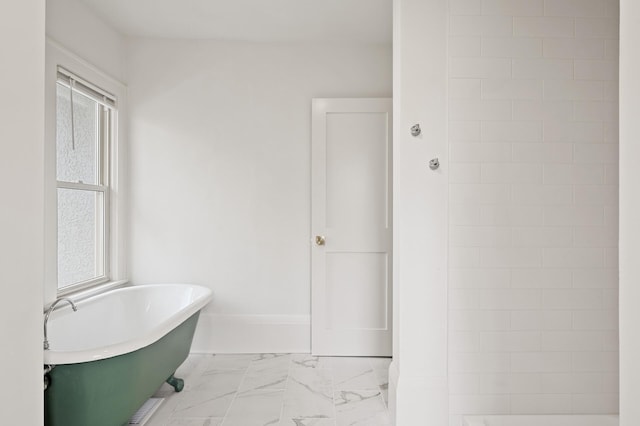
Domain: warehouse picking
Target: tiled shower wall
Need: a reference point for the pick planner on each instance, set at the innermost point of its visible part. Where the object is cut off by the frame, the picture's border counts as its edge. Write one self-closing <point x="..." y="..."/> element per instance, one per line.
<point x="533" y="206"/>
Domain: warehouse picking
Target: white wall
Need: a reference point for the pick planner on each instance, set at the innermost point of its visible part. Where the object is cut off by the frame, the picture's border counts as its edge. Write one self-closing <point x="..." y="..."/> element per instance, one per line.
<point x="418" y="375"/>
<point x="75" y="26"/>
<point x="22" y="212"/>
<point x="220" y="175"/>
<point x="629" y="213"/>
<point x="533" y="207"/>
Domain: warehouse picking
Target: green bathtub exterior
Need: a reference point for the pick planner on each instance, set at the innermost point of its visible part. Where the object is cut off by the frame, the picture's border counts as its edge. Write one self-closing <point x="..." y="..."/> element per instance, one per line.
<point x="108" y="391"/>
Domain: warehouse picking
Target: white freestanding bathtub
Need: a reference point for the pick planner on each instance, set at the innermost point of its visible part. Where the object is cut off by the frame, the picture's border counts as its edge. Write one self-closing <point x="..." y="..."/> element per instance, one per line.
<point x="543" y="420"/>
<point x="120" y="321"/>
<point x="107" y="358"/>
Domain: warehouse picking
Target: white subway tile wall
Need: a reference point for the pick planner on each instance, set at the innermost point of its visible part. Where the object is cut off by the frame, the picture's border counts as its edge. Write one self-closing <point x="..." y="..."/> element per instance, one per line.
<point x="533" y="207"/>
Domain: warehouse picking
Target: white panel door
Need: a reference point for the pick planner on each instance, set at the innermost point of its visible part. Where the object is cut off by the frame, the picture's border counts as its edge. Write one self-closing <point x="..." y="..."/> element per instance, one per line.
<point x="351" y="227"/>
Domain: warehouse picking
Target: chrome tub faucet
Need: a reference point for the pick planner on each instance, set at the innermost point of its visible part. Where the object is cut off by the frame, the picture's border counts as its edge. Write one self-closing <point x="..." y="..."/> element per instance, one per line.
<point x="46" y="316"/>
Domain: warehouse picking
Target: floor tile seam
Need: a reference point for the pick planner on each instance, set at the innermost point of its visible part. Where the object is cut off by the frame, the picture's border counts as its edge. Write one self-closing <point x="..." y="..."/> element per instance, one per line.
<point x="198" y="368"/>
<point x="214" y="390"/>
<point x="236" y="418"/>
<point x="384" y="404"/>
<point x="266" y="360"/>
<point x="371" y="364"/>
<point x="382" y="396"/>
<point x="224" y="418"/>
<point x="284" y="392"/>
<point x="320" y="390"/>
<point x="333" y="397"/>
<point x="173" y="406"/>
<point x="286" y="387"/>
<point x="320" y="379"/>
<point x="262" y="370"/>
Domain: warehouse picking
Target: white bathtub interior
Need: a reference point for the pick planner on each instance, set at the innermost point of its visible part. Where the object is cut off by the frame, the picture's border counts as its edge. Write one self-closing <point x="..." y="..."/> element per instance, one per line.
<point x="543" y="420"/>
<point x="120" y="321"/>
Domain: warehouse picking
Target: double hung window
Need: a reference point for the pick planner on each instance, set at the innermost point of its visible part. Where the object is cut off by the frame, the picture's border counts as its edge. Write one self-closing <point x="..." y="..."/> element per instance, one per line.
<point x="84" y="135"/>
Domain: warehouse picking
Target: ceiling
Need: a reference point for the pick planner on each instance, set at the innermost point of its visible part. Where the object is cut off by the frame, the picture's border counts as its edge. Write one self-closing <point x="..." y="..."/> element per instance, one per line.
<point x="360" y="21"/>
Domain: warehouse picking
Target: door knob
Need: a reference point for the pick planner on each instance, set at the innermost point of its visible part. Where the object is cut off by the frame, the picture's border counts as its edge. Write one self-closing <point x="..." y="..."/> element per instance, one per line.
<point x="319" y="240"/>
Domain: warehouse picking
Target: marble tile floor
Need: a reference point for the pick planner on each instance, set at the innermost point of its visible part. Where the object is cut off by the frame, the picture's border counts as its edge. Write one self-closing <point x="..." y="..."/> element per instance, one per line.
<point x="278" y="390"/>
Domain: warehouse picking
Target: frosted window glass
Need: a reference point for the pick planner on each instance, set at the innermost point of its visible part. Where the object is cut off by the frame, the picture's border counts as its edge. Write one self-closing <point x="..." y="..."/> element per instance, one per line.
<point x="80" y="236"/>
<point x="77" y="159"/>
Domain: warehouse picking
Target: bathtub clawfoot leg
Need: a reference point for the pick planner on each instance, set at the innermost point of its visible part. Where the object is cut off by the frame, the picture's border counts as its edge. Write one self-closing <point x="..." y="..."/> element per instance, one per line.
<point x="178" y="384"/>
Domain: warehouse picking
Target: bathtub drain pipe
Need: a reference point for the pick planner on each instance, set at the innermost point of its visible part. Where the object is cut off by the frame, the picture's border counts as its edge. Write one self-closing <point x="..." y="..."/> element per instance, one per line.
<point x="47" y="370"/>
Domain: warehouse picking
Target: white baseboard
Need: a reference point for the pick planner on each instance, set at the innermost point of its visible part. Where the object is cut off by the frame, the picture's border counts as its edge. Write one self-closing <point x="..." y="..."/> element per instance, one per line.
<point x="220" y="333"/>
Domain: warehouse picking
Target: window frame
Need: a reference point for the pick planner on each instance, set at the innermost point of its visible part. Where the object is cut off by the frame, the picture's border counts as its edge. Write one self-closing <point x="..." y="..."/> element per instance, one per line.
<point x="105" y="134"/>
<point x="114" y="199"/>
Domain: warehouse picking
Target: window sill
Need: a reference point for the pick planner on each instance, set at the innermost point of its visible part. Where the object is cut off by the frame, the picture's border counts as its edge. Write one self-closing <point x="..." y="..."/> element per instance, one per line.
<point x="81" y="294"/>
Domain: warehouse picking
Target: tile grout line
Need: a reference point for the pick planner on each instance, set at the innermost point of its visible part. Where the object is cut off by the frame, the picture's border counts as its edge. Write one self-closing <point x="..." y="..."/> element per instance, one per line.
<point x="381" y="396"/>
<point x="286" y="385"/>
<point x="196" y="371"/>
<point x="246" y="370"/>
<point x="165" y="420"/>
<point x="333" y="396"/>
